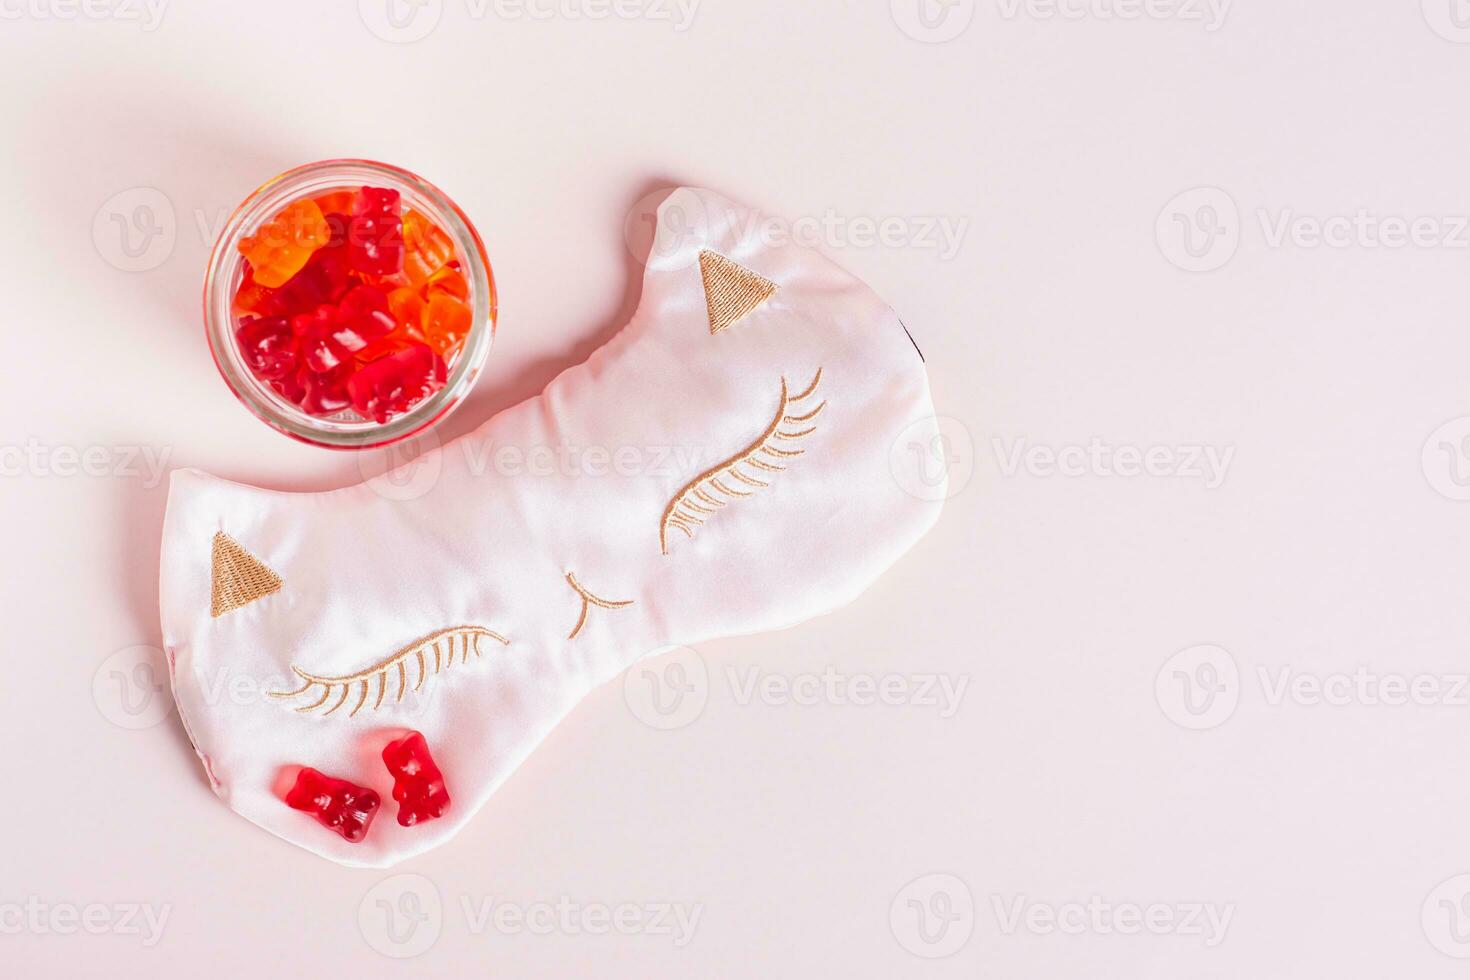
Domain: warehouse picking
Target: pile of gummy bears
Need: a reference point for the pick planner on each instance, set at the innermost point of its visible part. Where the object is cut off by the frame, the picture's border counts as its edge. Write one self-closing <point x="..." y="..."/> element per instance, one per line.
<point x="351" y="301"/>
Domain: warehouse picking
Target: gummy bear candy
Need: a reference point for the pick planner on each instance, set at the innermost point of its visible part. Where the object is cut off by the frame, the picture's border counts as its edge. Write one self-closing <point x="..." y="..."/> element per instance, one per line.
<point x="338" y="201"/>
<point x="252" y="297"/>
<point x="337" y="804"/>
<point x="325" y="393"/>
<point x="365" y="316"/>
<point x="318" y="334"/>
<point x="383" y="388"/>
<point x="446" y="322"/>
<point x="418" y="785"/>
<point x="450" y="280"/>
<point x="324" y="279"/>
<point x="281" y="247"/>
<point x="427" y="249"/>
<point x="292" y="387"/>
<point x="375" y="235"/>
<point x="268" y="346"/>
<point x="406" y="307"/>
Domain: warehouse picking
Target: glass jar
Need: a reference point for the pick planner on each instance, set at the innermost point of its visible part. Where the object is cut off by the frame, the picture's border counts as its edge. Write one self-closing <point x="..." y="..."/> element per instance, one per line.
<point x="346" y="429"/>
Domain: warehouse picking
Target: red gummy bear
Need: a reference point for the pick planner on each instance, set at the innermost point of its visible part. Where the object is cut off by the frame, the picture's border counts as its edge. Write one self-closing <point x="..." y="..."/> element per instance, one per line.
<point x="338" y="805"/>
<point x="418" y="785"/>
<point x="366" y="314"/>
<point x="292" y="387"/>
<point x="330" y="336"/>
<point x="268" y="346"/>
<point x="324" y="279"/>
<point x="383" y="388"/>
<point x="375" y="235"/>
<point x="319" y="336"/>
<point x="325" y="393"/>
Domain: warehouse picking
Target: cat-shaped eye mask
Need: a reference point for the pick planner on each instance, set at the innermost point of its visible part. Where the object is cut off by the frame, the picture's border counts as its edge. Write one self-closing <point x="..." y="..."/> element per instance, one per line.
<point x="735" y="460"/>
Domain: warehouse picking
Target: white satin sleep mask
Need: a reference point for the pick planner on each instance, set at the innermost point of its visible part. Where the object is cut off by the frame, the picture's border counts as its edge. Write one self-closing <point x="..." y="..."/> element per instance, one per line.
<point x="729" y="463"/>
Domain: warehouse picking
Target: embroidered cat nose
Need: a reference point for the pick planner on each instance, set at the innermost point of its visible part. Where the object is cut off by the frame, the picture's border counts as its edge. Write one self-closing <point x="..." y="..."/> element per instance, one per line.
<point x="589" y="600"/>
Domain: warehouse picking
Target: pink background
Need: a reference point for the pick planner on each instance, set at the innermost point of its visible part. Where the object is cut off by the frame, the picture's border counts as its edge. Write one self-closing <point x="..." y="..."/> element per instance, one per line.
<point x="1085" y="164"/>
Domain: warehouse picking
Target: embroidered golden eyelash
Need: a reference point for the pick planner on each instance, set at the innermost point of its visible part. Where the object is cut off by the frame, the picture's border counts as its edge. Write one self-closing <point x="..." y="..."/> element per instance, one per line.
<point x="412" y="661"/>
<point x="715" y="488"/>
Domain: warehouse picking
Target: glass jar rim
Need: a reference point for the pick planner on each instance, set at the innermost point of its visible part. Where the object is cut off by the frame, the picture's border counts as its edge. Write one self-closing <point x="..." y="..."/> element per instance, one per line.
<point x="226" y="268"/>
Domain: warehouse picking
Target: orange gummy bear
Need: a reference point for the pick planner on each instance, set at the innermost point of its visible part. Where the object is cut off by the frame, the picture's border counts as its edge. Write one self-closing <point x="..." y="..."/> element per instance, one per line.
<point x="427" y="249"/>
<point x="450" y="280"/>
<point x="283" y="244"/>
<point x="407" y="307"/>
<point x="335" y="202"/>
<point x="251" y="297"/>
<point x="446" y="323"/>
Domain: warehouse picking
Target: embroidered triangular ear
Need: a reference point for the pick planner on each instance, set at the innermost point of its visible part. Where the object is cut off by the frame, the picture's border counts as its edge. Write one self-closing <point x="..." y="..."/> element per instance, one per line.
<point x="730" y="291"/>
<point x="239" y="577"/>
